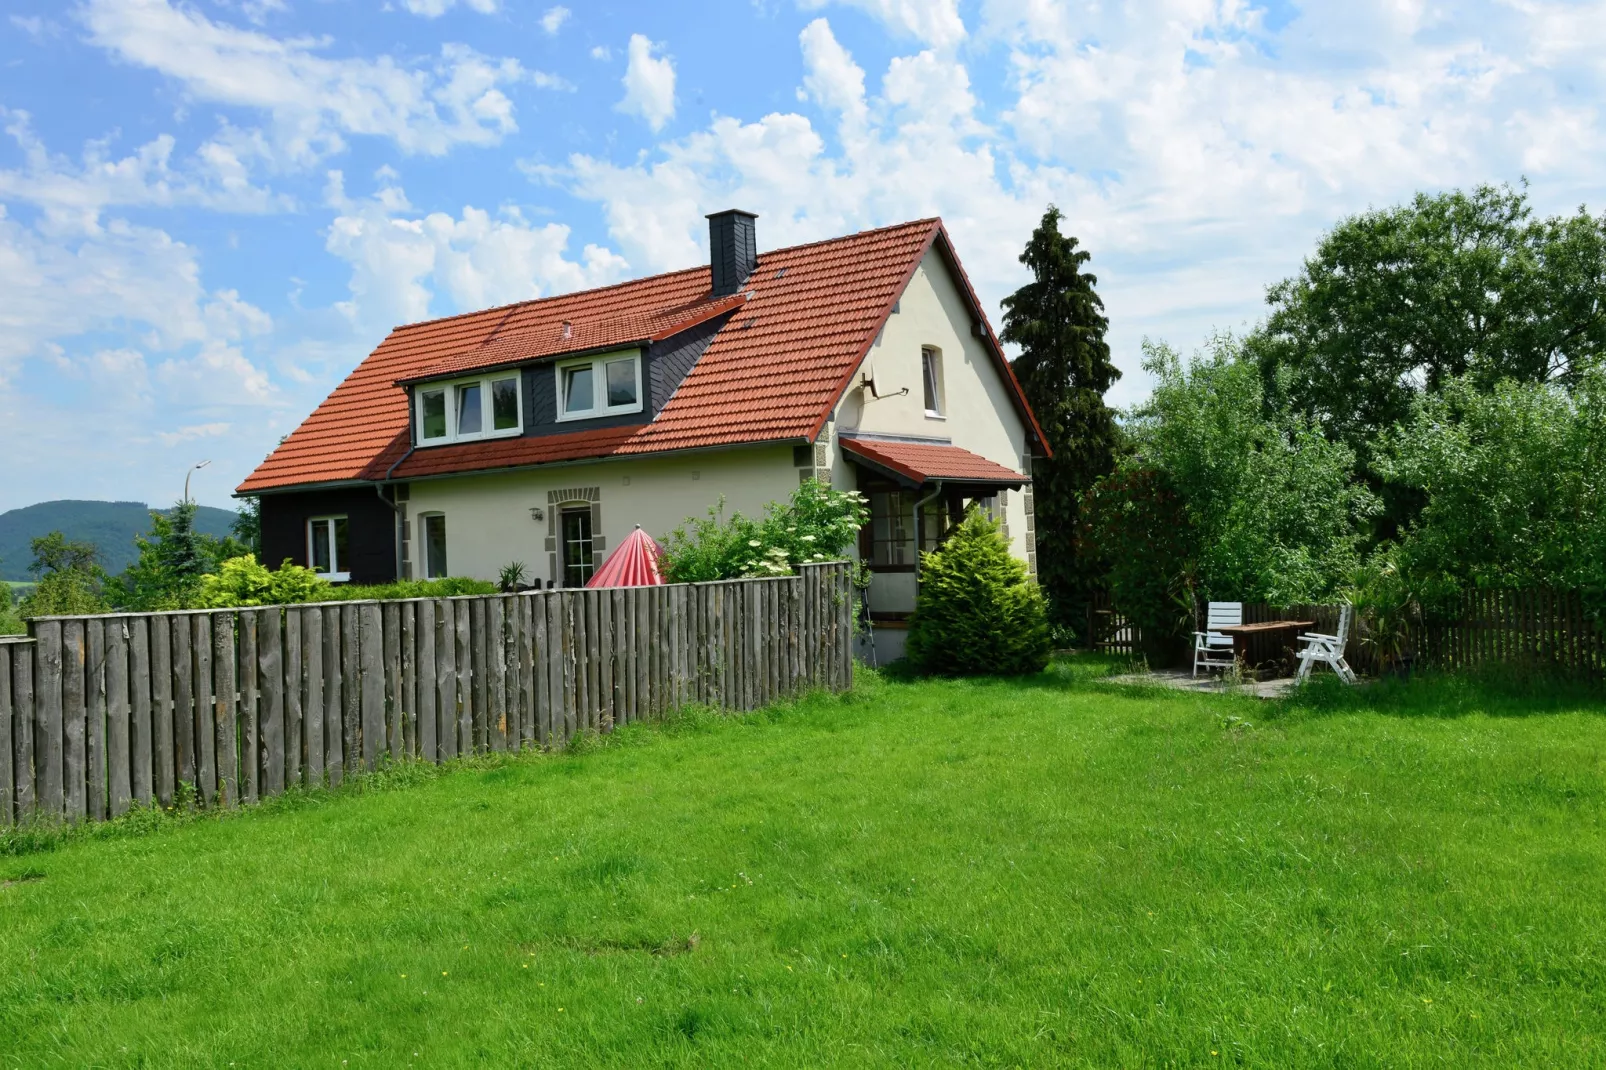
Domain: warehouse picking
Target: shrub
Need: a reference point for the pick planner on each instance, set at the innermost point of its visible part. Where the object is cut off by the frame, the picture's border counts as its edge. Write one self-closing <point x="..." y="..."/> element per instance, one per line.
<point x="10" y="623"/>
<point x="977" y="612"/>
<point x="70" y="578"/>
<point x="816" y="524"/>
<point x="445" y="587"/>
<point x="243" y="581"/>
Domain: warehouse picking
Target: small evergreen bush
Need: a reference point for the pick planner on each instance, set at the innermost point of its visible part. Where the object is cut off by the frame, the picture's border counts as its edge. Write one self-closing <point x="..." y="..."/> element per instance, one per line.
<point x="977" y="612"/>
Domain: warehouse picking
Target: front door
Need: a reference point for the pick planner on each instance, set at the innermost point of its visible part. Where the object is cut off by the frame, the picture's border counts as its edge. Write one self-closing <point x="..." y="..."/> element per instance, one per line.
<point x="578" y="561"/>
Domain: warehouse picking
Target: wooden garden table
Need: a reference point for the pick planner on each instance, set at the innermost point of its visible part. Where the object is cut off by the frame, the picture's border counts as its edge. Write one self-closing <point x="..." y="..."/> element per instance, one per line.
<point x="1243" y="634"/>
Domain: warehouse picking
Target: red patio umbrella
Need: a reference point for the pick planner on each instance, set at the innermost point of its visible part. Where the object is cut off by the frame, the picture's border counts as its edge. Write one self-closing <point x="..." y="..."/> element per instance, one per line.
<point x="636" y="562"/>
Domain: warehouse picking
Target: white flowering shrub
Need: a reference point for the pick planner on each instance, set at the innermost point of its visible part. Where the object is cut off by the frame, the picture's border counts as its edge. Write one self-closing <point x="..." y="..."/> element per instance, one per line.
<point x="816" y="524"/>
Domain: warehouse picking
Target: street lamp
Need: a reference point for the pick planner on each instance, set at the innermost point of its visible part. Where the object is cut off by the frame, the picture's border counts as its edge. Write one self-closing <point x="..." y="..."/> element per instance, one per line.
<point x="192" y="471"/>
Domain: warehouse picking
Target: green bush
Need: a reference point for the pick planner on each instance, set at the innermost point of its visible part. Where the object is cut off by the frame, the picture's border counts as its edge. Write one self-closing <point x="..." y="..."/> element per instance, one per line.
<point x="445" y="587"/>
<point x="816" y="524"/>
<point x="977" y="612"/>
<point x="10" y="623"/>
<point x="243" y="581"/>
<point x="70" y="578"/>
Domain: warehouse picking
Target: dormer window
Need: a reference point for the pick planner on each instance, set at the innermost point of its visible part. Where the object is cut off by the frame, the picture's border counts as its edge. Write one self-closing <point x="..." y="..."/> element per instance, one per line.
<point x="604" y="385"/>
<point x="469" y="409"/>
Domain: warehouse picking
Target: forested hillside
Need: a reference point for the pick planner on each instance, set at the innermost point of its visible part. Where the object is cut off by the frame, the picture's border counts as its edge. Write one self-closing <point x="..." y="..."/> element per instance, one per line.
<point x="111" y="526"/>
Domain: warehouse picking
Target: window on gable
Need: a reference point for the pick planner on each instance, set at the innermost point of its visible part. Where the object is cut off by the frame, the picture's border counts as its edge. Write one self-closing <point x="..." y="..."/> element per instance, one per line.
<point x="599" y="386"/>
<point x="931" y="380"/>
<point x="328" y="547"/>
<point x="465" y="417"/>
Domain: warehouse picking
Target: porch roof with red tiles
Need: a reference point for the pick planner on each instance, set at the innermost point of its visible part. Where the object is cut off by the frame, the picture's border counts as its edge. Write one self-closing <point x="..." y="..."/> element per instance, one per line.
<point x="924" y="462"/>
<point x="773" y="372"/>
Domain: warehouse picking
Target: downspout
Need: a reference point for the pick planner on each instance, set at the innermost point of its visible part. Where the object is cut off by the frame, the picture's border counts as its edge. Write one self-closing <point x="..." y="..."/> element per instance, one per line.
<point x="396" y="528"/>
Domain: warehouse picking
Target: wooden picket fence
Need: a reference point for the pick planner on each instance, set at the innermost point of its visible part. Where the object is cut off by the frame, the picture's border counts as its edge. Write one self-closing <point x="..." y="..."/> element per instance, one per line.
<point x="102" y="713"/>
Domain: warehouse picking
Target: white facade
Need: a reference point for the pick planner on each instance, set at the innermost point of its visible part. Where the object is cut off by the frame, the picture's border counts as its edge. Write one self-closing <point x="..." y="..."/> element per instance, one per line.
<point x="489" y="520"/>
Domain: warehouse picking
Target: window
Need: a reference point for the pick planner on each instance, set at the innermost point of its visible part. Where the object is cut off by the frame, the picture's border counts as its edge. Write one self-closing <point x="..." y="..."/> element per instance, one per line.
<point x="579" y="561"/>
<point x="465" y="418"/>
<point x="434" y="545"/>
<point x="892" y="528"/>
<point x="328" y="547"/>
<point x="599" y="386"/>
<point x="931" y="380"/>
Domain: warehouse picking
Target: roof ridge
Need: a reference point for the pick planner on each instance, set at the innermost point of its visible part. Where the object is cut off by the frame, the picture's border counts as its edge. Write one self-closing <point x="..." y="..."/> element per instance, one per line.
<point x="927" y="221"/>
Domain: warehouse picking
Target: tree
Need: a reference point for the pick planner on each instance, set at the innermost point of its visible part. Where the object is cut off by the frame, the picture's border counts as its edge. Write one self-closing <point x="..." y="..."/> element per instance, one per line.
<point x="1397" y="303"/>
<point x="977" y="612"/>
<point x="69" y="577"/>
<point x="1512" y="489"/>
<point x="1275" y="504"/>
<point x="247" y="526"/>
<point x="1065" y="370"/>
<point x="172" y="559"/>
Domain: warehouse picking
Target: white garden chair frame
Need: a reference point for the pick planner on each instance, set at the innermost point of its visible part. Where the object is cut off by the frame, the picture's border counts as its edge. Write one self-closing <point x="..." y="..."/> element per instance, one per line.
<point x="1320" y="649"/>
<point x="1212" y="649"/>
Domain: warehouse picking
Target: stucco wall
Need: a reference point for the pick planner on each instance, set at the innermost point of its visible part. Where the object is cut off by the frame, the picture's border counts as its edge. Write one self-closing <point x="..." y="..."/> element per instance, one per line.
<point x="979" y="414"/>
<point x="488" y="519"/>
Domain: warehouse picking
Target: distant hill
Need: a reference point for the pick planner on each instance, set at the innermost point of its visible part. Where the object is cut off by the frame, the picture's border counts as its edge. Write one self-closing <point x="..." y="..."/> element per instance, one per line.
<point x="111" y="526"/>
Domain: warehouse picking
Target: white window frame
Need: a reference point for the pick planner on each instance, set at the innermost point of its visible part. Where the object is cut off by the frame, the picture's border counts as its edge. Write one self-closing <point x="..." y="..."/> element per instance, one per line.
<point x="487" y="415"/>
<point x="599" y="385"/>
<point x="336" y="574"/>
<point x="931" y="363"/>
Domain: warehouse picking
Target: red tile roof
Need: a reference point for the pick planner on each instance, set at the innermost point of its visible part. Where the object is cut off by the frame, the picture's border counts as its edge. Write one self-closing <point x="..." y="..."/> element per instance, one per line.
<point x="922" y="462"/>
<point x="773" y="372"/>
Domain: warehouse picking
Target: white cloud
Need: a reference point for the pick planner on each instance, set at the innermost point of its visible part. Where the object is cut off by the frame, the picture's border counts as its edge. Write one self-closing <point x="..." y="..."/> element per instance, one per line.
<point x="553" y="19"/>
<point x="194" y="431"/>
<point x="649" y="84"/>
<point x="602" y="52"/>
<point x="1195" y="152"/>
<point x="74" y="195"/>
<point x="830" y="76"/>
<point x="314" y="101"/>
<point x="932" y="22"/>
<point x="432" y="9"/>
<point x="401" y="260"/>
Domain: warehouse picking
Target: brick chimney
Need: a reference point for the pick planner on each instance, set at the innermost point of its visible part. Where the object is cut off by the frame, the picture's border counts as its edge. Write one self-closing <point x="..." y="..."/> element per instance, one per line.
<point x="732" y="249"/>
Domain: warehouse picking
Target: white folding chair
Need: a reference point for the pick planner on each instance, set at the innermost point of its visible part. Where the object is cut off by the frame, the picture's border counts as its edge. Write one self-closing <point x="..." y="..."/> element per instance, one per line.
<point x="1327" y="650"/>
<point x="1211" y="649"/>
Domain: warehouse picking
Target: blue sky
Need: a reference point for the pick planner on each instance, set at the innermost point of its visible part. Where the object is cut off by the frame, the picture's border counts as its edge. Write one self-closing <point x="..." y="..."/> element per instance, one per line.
<point x="210" y="210"/>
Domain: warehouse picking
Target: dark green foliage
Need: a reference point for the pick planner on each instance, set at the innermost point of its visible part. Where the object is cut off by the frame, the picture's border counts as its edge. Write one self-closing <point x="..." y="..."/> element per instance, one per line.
<point x="977" y="612"/>
<point x="1065" y="370"/>
<point x="10" y="622"/>
<point x="70" y="579"/>
<point x="247" y="525"/>
<point x="1137" y="524"/>
<point x="1512" y="482"/>
<point x="816" y="524"/>
<point x="1399" y="302"/>
<point x="111" y="526"/>
<point x="445" y="587"/>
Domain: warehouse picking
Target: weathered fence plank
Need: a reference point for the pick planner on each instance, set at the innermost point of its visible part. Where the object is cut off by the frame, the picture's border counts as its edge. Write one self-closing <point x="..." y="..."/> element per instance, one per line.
<point x="280" y="691"/>
<point x="446" y="677"/>
<point x="119" y="758"/>
<point x="393" y="683"/>
<point x="314" y="734"/>
<point x="225" y="726"/>
<point x="95" y="719"/>
<point x="334" y="720"/>
<point x="74" y="720"/>
<point x="24" y="721"/>
<point x="251" y="749"/>
<point x="8" y="771"/>
<point x="424" y="627"/>
<point x="371" y="661"/>
<point x="294" y="709"/>
<point x="201" y="712"/>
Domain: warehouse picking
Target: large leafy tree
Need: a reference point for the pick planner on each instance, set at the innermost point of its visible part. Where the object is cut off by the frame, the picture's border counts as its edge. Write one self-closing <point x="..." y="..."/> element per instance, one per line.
<point x="1064" y="367"/>
<point x="1396" y="303"/>
<point x="172" y="559"/>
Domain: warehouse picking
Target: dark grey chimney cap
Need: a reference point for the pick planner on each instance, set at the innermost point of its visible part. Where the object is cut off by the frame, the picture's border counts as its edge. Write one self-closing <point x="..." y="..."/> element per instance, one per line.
<point x="732" y="249"/>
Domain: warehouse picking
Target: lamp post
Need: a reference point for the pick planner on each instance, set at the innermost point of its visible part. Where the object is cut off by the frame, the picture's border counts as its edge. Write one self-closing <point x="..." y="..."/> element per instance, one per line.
<point x="192" y="471"/>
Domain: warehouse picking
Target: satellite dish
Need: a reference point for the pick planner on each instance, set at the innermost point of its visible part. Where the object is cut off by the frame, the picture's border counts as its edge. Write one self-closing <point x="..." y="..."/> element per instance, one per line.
<point x="871" y="383"/>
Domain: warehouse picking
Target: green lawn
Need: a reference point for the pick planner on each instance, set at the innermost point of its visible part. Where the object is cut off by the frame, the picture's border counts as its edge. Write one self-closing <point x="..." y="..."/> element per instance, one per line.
<point x="1056" y="872"/>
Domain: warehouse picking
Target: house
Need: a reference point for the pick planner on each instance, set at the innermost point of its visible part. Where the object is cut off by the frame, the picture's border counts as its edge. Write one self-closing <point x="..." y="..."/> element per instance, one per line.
<point x="542" y="432"/>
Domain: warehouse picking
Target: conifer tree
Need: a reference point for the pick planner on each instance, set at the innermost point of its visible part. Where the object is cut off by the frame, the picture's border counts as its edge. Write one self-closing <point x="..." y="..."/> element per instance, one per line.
<point x="1058" y="321"/>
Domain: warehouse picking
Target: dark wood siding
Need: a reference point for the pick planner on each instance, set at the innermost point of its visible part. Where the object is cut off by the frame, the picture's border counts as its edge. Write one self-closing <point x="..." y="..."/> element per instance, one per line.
<point x="371" y="536"/>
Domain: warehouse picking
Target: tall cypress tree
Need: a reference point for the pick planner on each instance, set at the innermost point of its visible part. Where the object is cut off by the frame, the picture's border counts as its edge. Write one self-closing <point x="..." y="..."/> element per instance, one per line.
<point x="1058" y="321"/>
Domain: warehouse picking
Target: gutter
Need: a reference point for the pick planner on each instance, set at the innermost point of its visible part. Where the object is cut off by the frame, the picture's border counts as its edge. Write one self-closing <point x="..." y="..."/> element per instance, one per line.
<point x="396" y="528"/>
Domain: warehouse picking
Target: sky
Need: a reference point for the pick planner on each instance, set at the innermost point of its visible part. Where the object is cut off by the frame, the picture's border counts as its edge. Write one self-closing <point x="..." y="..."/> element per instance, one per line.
<point x="212" y="210"/>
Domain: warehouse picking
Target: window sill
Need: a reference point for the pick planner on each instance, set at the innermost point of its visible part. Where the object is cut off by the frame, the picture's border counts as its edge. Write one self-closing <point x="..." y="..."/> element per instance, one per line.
<point x="574" y="417"/>
<point x="935" y="415"/>
<point x="335" y="577"/>
<point x="429" y="443"/>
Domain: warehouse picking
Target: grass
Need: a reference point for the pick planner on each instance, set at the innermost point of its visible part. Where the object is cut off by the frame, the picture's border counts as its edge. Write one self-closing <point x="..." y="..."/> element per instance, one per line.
<point x="1031" y="873"/>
